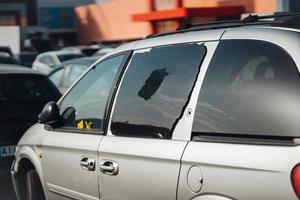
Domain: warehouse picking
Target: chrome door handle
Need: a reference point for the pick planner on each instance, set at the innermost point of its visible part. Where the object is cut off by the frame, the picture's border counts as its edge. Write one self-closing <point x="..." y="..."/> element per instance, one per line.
<point x="87" y="163"/>
<point x="109" y="167"/>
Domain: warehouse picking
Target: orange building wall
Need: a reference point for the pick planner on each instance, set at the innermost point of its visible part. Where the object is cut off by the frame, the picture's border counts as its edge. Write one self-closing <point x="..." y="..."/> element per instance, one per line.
<point x="111" y="21"/>
<point x="266" y="6"/>
<point x="251" y="6"/>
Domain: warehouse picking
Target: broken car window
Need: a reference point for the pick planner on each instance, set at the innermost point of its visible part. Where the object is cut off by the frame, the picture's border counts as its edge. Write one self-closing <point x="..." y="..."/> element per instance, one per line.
<point x="154" y="90"/>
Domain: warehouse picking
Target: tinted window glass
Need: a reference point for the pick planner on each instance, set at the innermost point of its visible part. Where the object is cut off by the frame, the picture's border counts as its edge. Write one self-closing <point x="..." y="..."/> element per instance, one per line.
<point x="56" y="76"/>
<point x="72" y="74"/>
<point x="26" y="90"/>
<point x="251" y="88"/>
<point x="9" y="60"/>
<point x="155" y="89"/>
<point x="90" y="95"/>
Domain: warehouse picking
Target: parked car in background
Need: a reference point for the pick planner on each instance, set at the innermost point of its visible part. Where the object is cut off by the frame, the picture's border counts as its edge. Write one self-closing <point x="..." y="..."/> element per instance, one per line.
<point x="7" y="50"/>
<point x="87" y="50"/>
<point x="7" y="57"/>
<point x="65" y="74"/>
<point x="27" y="58"/>
<point x="105" y="50"/>
<point x="23" y="92"/>
<point x="45" y="62"/>
<point x="207" y="112"/>
<point x="9" y="60"/>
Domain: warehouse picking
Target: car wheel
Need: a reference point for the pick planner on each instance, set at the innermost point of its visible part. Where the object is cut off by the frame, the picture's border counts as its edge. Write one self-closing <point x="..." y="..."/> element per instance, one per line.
<point x="34" y="187"/>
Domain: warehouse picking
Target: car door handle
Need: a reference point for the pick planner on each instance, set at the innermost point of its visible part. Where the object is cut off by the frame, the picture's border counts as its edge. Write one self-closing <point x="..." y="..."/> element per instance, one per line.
<point x="109" y="167"/>
<point x="88" y="163"/>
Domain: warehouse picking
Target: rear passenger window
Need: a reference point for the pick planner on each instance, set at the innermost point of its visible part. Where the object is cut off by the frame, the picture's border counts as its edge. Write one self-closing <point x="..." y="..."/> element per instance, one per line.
<point x="251" y="88"/>
<point x="155" y="89"/>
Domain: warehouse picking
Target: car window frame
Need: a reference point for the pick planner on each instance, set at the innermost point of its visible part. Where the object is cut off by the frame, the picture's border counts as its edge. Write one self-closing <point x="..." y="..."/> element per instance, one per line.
<point x="56" y="71"/>
<point x="71" y="130"/>
<point x="184" y="137"/>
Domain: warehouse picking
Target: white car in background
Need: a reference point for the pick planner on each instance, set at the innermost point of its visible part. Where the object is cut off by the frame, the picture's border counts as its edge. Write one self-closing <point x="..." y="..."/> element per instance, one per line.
<point x="45" y="62"/>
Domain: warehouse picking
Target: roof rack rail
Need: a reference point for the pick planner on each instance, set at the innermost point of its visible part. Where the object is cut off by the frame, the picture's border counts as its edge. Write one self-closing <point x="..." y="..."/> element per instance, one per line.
<point x="255" y="18"/>
<point x="247" y="21"/>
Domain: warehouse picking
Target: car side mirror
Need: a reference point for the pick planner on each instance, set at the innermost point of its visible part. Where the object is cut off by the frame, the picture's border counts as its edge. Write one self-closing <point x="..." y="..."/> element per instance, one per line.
<point x="50" y="114"/>
<point x="68" y="115"/>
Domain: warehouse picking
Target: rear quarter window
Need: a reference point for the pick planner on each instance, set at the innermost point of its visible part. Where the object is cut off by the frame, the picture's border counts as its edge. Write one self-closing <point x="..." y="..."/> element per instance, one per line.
<point x="251" y="88"/>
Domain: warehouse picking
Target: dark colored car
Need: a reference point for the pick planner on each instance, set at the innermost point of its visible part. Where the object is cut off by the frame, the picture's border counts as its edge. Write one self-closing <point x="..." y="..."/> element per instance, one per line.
<point x="65" y="74"/>
<point x="23" y="93"/>
<point x="27" y="58"/>
<point x="7" y="50"/>
<point x="9" y="60"/>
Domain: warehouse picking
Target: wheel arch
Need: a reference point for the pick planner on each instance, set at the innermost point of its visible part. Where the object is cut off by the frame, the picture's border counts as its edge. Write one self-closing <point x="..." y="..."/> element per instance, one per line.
<point x="26" y="160"/>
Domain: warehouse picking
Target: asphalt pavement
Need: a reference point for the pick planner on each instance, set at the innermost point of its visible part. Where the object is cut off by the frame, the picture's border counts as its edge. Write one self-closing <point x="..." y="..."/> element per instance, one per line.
<point x="6" y="188"/>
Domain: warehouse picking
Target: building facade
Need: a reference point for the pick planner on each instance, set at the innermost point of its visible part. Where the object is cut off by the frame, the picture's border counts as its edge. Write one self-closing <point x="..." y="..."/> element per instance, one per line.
<point x="125" y="20"/>
<point x="57" y="16"/>
<point x="116" y="21"/>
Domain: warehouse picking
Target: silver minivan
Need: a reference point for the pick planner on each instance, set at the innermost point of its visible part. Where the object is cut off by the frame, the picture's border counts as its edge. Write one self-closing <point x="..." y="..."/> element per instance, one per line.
<point x="203" y="113"/>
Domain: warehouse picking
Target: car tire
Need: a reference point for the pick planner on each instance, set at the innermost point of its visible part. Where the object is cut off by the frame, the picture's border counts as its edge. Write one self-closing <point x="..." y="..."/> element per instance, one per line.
<point x="34" y="187"/>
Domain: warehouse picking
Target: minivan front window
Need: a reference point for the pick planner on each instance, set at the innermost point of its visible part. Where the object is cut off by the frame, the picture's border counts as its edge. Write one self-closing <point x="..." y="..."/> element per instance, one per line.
<point x="90" y="94"/>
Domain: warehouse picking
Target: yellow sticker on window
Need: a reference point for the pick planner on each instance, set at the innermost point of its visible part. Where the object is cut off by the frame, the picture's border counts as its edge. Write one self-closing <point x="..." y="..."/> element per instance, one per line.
<point x="80" y="125"/>
<point x="89" y="125"/>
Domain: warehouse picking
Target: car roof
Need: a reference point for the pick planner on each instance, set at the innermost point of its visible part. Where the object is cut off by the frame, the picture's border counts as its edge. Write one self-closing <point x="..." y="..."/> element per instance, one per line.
<point x="17" y="69"/>
<point x="205" y="36"/>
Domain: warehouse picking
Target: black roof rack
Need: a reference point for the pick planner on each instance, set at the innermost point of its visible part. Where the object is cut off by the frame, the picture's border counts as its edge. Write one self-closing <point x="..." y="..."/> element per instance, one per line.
<point x="247" y="21"/>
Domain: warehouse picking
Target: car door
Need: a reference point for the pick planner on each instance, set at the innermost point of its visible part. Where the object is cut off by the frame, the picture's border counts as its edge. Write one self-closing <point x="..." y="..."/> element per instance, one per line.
<point x="138" y="157"/>
<point x="69" y="151"/>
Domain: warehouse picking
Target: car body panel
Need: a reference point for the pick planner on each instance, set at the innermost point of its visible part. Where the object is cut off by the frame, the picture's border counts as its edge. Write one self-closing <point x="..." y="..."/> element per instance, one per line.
<point x="62" y="152"/>
<point x="29" y="148"/>
<point x="148" y="168"/>
<point x="184" y="126"/>
<point x="211" y="197"/>
<point x="240" y="171"/>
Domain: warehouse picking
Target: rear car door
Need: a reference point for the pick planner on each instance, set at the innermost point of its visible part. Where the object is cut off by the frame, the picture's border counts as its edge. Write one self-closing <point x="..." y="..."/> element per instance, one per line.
<point x="246" y="118"/>
<point x="69" y="151"/>
<point x="138" y="157"/>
